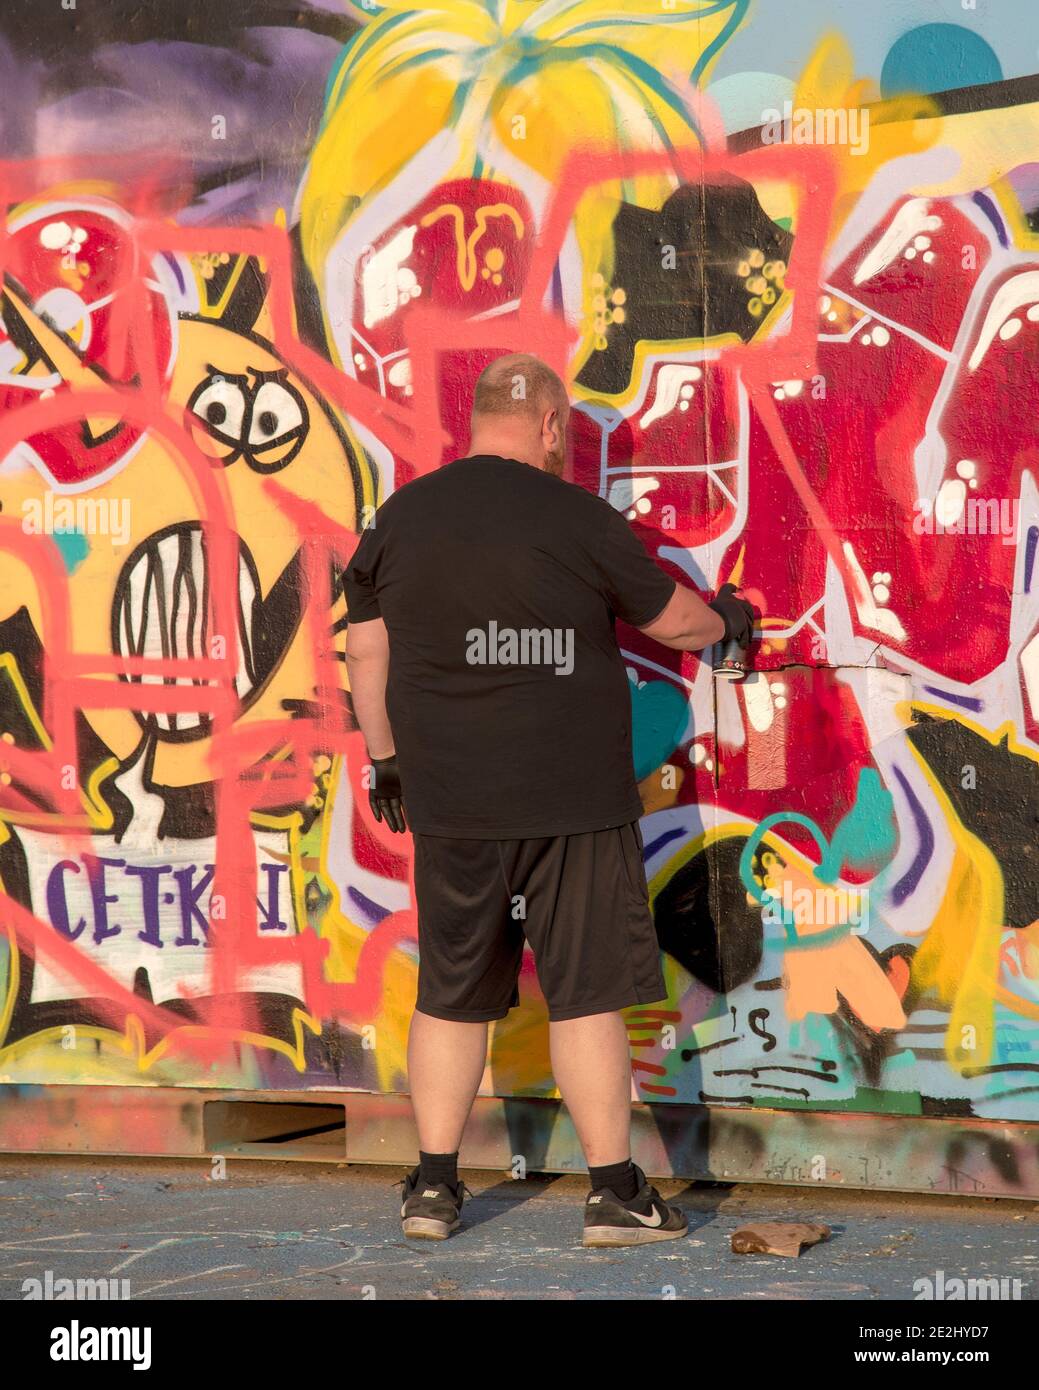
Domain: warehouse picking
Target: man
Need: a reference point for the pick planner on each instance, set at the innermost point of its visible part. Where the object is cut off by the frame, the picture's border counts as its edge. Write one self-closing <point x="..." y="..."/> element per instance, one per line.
<point x="495" y="707"/>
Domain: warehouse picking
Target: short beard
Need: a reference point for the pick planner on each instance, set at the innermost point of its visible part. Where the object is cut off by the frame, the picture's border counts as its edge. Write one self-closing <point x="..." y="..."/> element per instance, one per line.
<point x="555" y="461"/>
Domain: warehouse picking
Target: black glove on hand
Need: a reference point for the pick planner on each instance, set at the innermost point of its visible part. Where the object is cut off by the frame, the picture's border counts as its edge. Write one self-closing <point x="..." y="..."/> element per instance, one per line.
<point x="384" y="794"/>
<point x="736" y="613"/>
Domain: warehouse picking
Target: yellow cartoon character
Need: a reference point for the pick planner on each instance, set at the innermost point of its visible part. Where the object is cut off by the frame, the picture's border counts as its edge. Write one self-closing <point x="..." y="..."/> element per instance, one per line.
<point x="124" y="528"/>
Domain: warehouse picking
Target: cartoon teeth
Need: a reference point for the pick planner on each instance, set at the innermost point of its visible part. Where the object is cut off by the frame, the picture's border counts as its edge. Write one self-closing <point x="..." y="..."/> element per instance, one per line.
<point x="162" y="613"/>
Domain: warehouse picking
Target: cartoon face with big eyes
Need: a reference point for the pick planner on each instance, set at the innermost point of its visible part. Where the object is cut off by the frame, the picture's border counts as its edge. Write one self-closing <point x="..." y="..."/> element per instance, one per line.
<point x="180" y="547"/>
<point x="148" y="594"/>
<point x="256" y="415"/>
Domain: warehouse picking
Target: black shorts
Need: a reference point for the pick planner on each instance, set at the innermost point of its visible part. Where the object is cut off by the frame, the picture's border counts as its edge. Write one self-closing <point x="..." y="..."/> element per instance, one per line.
<point x="581" y="901"/>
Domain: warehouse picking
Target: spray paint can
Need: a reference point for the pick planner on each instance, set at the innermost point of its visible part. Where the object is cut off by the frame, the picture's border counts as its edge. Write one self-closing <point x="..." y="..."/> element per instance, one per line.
<point x="731" y="662"/>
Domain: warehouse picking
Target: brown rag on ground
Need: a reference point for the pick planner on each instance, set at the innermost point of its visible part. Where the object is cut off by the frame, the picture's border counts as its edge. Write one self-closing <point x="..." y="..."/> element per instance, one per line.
<point x="777" y="1237"/>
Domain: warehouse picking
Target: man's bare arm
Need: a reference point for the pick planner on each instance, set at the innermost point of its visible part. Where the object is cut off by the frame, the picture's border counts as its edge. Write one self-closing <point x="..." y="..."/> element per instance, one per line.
<point x="686" y="623"/>
<point x="368" y="665"/>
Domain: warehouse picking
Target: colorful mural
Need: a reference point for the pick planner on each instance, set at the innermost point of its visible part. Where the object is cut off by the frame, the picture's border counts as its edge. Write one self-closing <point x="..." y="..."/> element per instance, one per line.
<point x="251" y="272"/>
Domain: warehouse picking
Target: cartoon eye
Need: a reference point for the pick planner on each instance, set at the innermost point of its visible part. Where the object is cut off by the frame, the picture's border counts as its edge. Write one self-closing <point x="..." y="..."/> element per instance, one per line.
<point x="276" y="412"/>
<point x="277" y="426"/>
<point x="221" y="405"/>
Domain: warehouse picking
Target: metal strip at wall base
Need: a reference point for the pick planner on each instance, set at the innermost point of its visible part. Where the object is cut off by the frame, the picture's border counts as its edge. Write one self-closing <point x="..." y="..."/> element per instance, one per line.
<point x="974" y="1158"/>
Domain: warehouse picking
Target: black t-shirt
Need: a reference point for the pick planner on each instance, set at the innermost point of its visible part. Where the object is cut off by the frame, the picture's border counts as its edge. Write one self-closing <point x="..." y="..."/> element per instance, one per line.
<point x="507" y="694"/>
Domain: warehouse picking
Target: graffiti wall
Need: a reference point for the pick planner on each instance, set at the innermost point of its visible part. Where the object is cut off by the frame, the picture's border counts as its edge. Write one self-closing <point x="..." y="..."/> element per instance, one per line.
<point x="254" y="258"/>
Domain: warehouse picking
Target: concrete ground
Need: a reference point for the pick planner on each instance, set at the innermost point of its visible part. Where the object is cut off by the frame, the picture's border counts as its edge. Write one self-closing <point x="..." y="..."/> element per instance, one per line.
<point x="309" y="1231"/>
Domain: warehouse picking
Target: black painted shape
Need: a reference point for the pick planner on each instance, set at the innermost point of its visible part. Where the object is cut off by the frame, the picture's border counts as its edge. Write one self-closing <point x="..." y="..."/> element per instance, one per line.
<point x="703" y="919"/>
<point x="712" y="229"/>
<point x="1002" y="809"/>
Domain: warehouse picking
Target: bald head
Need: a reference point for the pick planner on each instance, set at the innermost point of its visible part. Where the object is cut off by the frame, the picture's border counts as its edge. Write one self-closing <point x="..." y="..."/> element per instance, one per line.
<point x="520" y="410"/>
<point x="519" y="385"/>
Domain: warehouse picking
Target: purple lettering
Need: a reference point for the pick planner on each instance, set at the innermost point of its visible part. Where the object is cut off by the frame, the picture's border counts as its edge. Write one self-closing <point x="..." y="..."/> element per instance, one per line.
<point x="57" y="903"/>
<point x="189" y="896"/>
<point x="149" y="876"/>
<point x="270" y="918"/>
<point x="95" y="866"/>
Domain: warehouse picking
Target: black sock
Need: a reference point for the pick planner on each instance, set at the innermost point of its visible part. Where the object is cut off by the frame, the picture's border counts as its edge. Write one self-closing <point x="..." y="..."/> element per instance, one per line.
<point x="618" y="1177"/>
<point x="434" y="1168"/>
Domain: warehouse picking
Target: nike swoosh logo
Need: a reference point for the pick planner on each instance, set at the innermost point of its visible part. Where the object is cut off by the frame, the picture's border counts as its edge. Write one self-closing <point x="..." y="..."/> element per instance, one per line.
<point x="657" y="1219"/>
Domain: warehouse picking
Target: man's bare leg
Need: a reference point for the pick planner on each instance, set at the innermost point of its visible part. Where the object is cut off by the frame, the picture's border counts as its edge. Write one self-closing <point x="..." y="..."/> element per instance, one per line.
<point x="445" y="1064"/>
<point x="591" y="1062"/>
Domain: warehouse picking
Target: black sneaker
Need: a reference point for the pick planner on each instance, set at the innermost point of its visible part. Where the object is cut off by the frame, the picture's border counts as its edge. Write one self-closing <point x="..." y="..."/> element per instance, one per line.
<point x="610" y="1221"/>
<point x="430" y="1211"/>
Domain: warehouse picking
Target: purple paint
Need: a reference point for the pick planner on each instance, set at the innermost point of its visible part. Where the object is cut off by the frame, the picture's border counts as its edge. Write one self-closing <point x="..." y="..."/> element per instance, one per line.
<point x="988" y="207"/>
<point x="912" y="876"/>
<point x="966" y="701"/>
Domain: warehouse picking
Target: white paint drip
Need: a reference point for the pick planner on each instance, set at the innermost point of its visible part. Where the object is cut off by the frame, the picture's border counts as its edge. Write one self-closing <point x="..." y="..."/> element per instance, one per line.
<point x="911" y="219"/>
<point x="1030" y="671"/>
<point x="670" y="380"/>
<point x="379" y="277"/>
<point x="143" y="831"/>
<point x="757" y="698"/>
<point x="1015" y="294"/>
<point x="948" y="505"/>
<point x="870" y="613"/>
<point x="626" y="493"/>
